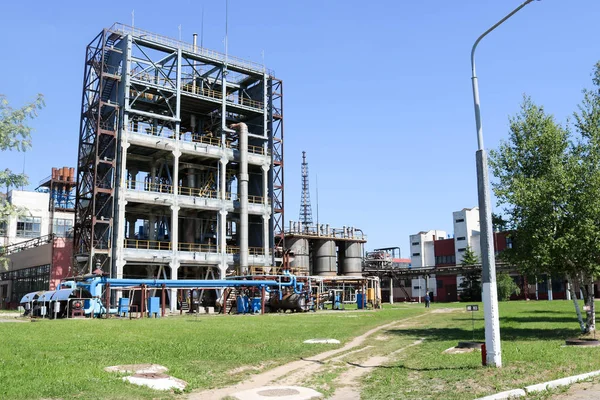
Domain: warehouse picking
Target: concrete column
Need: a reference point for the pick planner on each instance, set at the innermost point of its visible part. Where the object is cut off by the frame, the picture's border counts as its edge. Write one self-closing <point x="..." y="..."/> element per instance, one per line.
<point x="152" y="177"/>
<point x="536" y="288"/>
<point x="568" y="291"/>
<point x="175" y="231"/>
<point x="550" y="298"/>
<point x="223" y="178"/>
<point x="131" y="221"/>
<point x="134" y="173"/>
<point x="152" y="227"/>
<point x="265" y="232"/>
<point x="174" y="276"/>
<point x="391" y="290"/>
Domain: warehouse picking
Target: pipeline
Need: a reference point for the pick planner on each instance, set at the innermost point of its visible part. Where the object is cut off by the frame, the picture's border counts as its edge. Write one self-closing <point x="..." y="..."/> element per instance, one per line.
<point x="195" y="283"/>
<point x="242" y="130"/>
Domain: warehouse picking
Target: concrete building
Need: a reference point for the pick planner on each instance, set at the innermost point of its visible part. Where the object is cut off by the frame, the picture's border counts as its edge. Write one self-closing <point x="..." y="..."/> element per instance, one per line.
<point x="422" y="247"/>
<point x="180" y="170"/>
<point x="466" y="232"/>
<point x="38" y="243"/>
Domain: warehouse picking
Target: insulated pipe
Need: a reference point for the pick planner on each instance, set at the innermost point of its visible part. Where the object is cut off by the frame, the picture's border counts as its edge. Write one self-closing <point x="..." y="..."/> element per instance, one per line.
<point x="196" y="283"/>
<point x="242" y="130"/>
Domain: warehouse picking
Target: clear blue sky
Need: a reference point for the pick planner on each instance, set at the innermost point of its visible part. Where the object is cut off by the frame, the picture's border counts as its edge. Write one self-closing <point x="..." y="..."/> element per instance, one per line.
<point x="378" y="93"/>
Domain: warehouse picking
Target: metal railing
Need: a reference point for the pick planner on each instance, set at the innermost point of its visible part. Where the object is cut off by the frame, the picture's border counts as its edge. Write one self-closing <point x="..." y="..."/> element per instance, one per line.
<point x="147" y="244"/>
<point x="167" y="41"/>
<point x="187" y="247"/>
<point x="195" y="192"/>
<point x="150" y="187"/>
<point x="28" y="244"/>
<point x="198" y="248"/>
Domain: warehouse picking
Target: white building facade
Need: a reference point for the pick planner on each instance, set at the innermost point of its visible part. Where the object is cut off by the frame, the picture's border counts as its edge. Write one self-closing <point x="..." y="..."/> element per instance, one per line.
<point x="36" y="220"/>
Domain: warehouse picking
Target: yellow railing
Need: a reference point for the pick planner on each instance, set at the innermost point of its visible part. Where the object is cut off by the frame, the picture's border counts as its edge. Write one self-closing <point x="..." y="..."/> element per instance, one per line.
<point x="213" y="141"/>
<point x="149" y="187"/>
<point x="198" y="248"/>
<point x="210" y="194"/>
<point x="147" y="244"/>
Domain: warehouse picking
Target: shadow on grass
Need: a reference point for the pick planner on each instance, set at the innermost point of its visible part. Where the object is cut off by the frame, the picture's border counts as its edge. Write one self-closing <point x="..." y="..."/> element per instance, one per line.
<point x="508" y="333"/>
<point x="358" y="365"/>
<point x="550" y="319"/>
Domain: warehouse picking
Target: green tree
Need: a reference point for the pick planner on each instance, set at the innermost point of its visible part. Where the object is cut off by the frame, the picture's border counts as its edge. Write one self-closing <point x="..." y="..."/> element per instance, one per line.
<point x="15" y="134"/>
<point x="506" y="287"/>
<point x="548" y="179"/>
<point x="470" y="287"/>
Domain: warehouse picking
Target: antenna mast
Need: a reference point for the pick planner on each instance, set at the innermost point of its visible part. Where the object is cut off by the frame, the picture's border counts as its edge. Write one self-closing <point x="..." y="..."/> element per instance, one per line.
<point x="305" y="208"/>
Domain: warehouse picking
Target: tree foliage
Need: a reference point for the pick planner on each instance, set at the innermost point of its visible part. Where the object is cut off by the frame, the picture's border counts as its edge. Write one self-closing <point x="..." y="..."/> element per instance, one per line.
<point x="548" y="180"/>
<point x="470" y="287"/>
<point x="506" y="287"/>
<point x="15" y="134"/>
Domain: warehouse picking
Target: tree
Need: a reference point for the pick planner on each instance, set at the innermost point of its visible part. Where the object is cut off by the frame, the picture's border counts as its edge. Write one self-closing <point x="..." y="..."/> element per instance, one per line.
<point x="15" y="134"/>
<point x="547" y="183"/>
<point x="506" y="287"/>
<point x="471" y="285"/>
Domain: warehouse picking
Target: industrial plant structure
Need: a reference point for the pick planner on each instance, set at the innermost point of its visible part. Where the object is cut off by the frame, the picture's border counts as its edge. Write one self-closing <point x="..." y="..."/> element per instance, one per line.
<point x="180" y="167"/>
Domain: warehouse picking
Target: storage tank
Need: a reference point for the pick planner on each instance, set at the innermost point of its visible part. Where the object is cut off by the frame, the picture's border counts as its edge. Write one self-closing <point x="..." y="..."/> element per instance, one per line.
<point x="352" y="262"/>
<point x="299" y="246"/>
<point x="324" y="258"/>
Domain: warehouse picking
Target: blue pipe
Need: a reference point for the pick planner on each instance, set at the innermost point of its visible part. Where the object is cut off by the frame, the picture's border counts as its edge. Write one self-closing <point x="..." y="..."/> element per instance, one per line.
<point x="193" y="283"/>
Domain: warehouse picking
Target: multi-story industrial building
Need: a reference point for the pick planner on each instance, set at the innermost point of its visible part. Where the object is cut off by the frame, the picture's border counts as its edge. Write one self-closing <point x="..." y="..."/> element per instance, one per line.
<point x="421" y="247"/>
<point x="180" y="167"/>
<point x="37" y="243"/>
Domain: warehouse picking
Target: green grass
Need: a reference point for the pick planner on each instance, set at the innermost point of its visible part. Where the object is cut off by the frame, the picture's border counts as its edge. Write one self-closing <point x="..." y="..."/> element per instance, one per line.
<point x="532" y="333"/>
<point x="65" y="358"/>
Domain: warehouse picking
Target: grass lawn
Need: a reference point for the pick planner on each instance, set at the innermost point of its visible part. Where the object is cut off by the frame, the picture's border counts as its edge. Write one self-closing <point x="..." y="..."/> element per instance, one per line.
<point x="533" y="335"/>
<point x="65" y="358"/>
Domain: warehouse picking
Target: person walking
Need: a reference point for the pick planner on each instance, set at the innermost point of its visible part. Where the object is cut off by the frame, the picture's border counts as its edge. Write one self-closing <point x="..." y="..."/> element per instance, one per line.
<point x="427" y="300"/>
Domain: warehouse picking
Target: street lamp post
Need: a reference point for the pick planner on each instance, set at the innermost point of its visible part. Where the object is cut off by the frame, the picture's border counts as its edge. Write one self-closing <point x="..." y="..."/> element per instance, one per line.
<point x="488" y="262"/>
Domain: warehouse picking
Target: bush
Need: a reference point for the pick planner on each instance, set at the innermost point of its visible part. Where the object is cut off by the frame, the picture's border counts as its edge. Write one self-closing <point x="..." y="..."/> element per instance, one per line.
<point x="506" y="287"/>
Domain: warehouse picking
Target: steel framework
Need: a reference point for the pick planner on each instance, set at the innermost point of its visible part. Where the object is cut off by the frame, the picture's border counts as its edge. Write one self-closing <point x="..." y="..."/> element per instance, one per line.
<point x="305" y="208"/>
<point x="275" y="127"/>
<point x="158" y="166"/>
<point x="96" y="163"/>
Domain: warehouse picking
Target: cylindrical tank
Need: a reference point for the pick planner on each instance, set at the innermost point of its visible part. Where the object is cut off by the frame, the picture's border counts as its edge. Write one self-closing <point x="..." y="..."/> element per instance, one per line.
<point x="352" y="263"/>
<point x="299" y="246"/>
<point x="324" y="258"/>
<point x="65" y="173"/>
<point x="71" y="174"/>
<point x="289" y="301"/>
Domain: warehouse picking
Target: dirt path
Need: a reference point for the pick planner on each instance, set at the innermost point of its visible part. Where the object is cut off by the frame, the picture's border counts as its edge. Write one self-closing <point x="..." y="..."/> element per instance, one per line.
<point x="298" y="371"/>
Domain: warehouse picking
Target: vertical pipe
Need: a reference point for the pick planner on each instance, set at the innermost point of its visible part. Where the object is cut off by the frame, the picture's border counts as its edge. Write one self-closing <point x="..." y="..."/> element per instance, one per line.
<point x="549" y="286"/>
<point x="242" y="130"/>
<point x="163" y="300"/>
<point x="262" y="301"/>
<point x="391" y="290"/>
<point x="107" y="298"/>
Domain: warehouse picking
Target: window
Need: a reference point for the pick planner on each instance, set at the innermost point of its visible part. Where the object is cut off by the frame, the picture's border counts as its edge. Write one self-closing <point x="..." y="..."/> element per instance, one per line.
<point x="460" y="238"/>
<point x="509" y="242"/>
<point x="416" y="254"/>
<point x="415" y="243"/>
<point x="3" y="228"/>
<point x="439" y="284"/>
<point x="29" y="227"/>
<point x="445" y="260"/>
<point x="461" y="250"/>
<point x="62" y="227"/>
<point x="460" y="220"/>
